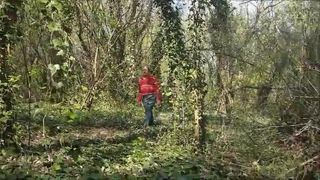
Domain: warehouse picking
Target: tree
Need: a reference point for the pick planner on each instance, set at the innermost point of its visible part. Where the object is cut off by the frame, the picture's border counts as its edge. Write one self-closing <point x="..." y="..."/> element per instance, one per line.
<point x="7" y="35"/>
<point x="198" y="84"/>
<point x="8" y="20"/>
<point x="220" y="36"/>
<point x="175" y="56"/>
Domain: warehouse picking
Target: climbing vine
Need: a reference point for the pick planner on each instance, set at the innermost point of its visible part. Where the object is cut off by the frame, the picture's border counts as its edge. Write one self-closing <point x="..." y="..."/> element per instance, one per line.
<point x="198" y="84"/>
<point x="176" y="57"/>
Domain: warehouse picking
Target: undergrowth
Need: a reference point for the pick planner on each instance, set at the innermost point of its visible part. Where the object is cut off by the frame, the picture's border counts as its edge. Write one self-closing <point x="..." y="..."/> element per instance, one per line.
<point x="68" y="143"/>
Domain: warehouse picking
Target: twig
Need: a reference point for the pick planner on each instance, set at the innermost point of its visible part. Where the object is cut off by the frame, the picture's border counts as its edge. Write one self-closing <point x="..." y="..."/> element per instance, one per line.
<point x="304" y="128"/>
<point x="43" y="126"/>
<point x="272" y="5"/>
<point x="246" y="2"/>
<point x="269" y="127"/>
<point x="316" y="128"/>
<point x="304" y="163"/>
<point x="95" y="63"/>
<point x="308" y="97"/>
<point x="234" y="164"/>
<point x="28" y="81"/>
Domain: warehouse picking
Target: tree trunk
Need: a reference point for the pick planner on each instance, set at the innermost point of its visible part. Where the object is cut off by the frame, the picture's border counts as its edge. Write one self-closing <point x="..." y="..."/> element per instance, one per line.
<point x="199" y="120"/>
<point x="223" y="78"/>
<point x="199" y="84"/>
<point x="219" y="25"/>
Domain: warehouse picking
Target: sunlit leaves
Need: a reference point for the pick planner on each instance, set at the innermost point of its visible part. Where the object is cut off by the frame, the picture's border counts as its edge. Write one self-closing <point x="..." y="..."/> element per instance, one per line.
<point x="54" y="26"/>
<point x="72" y="116"/>
<point x="53" y="68"/>
<point x="43" y="1"/>
<point x="56" y="5"/>
<point x="59" y="43"/>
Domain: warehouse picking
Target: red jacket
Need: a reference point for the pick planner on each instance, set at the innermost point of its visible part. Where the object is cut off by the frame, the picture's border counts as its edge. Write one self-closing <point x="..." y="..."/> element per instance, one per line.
<point x="148" y="84"/>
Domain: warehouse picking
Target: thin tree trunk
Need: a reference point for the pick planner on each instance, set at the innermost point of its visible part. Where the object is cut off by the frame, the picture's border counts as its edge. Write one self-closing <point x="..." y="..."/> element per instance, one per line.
<point x="200" y="123"/>
<point x="223" y="78"/>
<point x="223" y="81"/>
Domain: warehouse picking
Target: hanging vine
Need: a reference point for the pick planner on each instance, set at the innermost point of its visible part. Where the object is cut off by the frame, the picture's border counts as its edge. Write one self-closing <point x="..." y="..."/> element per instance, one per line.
<point x="177" y="60"/>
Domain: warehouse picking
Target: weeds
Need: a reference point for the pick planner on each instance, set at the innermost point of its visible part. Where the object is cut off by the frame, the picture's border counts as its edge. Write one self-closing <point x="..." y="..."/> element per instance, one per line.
<point x="113" y="144"/>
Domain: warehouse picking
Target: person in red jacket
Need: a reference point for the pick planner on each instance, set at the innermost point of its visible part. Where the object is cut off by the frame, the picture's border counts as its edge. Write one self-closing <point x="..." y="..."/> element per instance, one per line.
<point x="149" y="94"/>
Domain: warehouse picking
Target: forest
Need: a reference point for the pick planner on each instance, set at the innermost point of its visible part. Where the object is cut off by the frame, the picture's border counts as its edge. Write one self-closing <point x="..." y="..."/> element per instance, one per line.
<point x="239" y="83"/>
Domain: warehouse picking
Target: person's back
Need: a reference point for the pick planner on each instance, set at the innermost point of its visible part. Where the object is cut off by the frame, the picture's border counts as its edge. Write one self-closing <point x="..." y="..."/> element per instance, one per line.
<point x="149" y="94"/>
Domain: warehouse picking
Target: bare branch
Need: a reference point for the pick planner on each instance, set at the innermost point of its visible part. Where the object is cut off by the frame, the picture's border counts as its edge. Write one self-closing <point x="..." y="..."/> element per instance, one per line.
<point x="246" y="2"/>
<point x="304" y="163"/>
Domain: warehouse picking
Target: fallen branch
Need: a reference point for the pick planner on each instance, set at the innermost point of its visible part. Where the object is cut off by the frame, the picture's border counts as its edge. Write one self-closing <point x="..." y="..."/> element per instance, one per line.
<point x="308" y="97"/>
<point x="280" y="126"/>
<point x="304" y="163"/>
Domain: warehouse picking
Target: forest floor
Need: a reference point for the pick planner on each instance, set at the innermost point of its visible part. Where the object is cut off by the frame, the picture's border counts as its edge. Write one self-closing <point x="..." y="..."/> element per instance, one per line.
<point x="67" y="144"/>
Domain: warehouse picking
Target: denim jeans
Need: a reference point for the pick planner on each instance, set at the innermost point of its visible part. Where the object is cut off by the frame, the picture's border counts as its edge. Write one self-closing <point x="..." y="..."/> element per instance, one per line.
<point x="148" y="102"/>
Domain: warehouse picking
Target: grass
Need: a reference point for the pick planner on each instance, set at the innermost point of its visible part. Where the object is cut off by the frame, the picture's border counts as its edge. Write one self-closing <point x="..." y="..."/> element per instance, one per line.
<point x="112" y="143"/>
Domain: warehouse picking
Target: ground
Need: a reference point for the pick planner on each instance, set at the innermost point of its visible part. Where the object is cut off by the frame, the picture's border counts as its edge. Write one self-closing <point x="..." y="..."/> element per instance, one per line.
<point x="69" y="144"/>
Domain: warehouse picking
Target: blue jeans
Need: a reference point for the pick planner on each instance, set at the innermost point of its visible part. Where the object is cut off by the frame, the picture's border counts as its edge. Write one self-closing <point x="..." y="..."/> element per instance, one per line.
<point x="148" y="102"/>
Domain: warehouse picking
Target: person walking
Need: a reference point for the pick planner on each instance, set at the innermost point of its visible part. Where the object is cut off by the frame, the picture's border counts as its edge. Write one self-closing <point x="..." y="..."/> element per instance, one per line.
<point x="149" y="94"/>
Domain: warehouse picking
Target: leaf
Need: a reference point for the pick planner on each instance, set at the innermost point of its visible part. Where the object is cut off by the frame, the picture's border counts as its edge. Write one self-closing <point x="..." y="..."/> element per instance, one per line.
<point x="35" y="72"/>
<point x="53" y="68"/>
<point x="58" y="85"/>
<point x="3" y="84"/>
<point x="37" y="111"/>
<point x="77" y="106"/>
<point x="43" y="1"/>
<point x="60" y="53"/>
<point x="14" y="79"/>
<point x="72" y="115"/>
<point x="54" y="26"/>
<point x="55" y="4"/>
<point x="65" y="43"/>
<point x="71" y="58"/>
<point x="84" y="88"/>
<point x="168" y="93"/>
<point x="56" y="167"/>
<point x="3" y="152"/>
<point x="57" y="43"/>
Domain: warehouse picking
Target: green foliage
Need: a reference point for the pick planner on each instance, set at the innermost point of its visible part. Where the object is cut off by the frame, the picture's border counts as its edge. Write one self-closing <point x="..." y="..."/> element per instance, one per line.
<point x="178" y="66"/>
<point x="103" y="149"/>
<point x="72" y="80"/>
